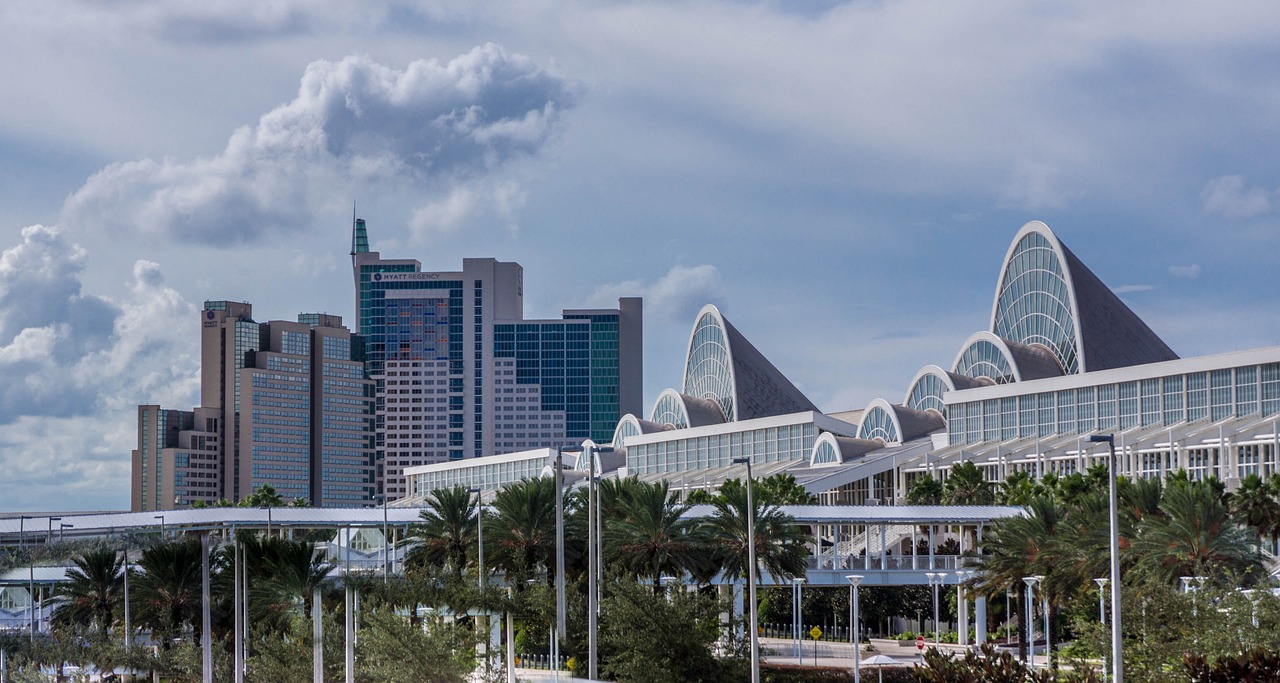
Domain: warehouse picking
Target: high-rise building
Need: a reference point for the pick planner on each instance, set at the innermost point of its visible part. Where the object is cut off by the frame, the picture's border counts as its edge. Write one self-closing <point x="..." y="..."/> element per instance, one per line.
<point x="460" y="373"/>
<point x="283" y="403"/>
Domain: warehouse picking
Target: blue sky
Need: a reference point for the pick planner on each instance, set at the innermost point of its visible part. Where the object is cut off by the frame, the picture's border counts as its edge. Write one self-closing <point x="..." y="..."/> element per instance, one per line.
<point x="841" y="178"/>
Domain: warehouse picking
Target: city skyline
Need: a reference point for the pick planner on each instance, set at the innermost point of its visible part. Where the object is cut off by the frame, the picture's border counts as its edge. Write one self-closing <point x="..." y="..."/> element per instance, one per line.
<point x="836" y="177"/>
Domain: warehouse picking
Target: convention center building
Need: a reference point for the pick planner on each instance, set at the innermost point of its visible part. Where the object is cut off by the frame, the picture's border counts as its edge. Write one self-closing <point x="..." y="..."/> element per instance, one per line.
<point x="1063" y="359"/>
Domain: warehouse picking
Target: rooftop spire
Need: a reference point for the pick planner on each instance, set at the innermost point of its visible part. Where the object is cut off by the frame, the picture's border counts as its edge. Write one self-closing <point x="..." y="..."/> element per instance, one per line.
<point x="359" y="236"/>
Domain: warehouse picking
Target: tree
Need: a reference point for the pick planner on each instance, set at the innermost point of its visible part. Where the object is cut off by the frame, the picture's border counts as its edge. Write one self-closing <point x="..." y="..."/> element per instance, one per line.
<point x="522" y="531"/>
<point x="263" y="496"/>
<point x="1016" y="489"/>
<point x="393" y="650"/>
<point x="447" y="532"/>
<point x="1018" y="547"/>
<point x="1255" y="506"/>
<point x="782" y="489"/>
<point x="924" y="491"/>
<point x="650" y="538"/>
<point x="779" y="542"/>
<point x="967" y="485"/>
<point x="647" y="638"/>
<point x="1196" y="536"/>
<point x="93" y="591"/>
<point x="168" y="590"/>
<point x="284" y="575"/>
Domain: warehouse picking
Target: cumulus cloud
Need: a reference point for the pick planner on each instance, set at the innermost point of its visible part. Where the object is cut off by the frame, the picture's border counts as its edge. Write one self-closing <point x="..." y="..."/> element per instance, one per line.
<point x="65" y="353"/>
<point x="1130" y="289"/>
<point x="1227" y="196"/>
<point x="433" y="128"/>
<point x="1189" y="271"/>
<point x="675" y="297"/>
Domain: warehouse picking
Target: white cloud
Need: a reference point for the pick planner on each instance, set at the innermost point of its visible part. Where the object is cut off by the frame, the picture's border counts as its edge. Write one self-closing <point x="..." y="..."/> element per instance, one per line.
<point x="66" y="353"/>
<point x="1189" y="271"/>
<point x="354" y="126"/>
<point x="1129" y="289"/>
<point x="674" y="297"/>
<point x="1227" y="196"/>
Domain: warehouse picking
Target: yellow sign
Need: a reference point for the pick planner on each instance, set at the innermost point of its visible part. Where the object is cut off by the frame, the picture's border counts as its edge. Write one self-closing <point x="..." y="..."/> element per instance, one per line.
<point x="815" y="633"/>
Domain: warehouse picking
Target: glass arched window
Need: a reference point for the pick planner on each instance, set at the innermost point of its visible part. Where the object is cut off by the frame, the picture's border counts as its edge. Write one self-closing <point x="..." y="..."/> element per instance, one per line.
<point x="982" y="358"/>
<point x="927" y="394"/>
<point x="626" y="429"/>
<point x="669" y="410"/>
<point x="1034" y="302"/>
<point x="708" y="372"/>
<point x="877" y="423"/>
<point x="825" y="453"/>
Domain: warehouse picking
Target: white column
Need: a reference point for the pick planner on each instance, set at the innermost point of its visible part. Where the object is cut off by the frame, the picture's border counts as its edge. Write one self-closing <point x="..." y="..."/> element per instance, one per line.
<point x="980" y="619"/>
<point x="962" y="613"/>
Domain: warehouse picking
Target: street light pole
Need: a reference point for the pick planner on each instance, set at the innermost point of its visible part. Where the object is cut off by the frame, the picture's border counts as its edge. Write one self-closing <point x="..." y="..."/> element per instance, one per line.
<point x="751" y="571"/>
<point x="1031" y="622"/>
<point x="854" y="637"/>
<point x="1117" y="655"/>
<point x="559" y="485"/>
<point x="49" y="540"/>
<point x="161" y="518"/>
<point x="595" y="558"/>
<point x="935" y="580"/>
<point x="796" y="619"/>
<point x="386" y="538"/>
<point x="31" y="577"/>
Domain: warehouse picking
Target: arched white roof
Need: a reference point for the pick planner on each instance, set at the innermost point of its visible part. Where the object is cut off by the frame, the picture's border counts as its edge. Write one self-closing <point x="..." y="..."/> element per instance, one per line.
<point x="629" y="426"/>
<point x="708" y="370"/>
<point x="880" y="422"/>
<point x="681" y="411"/>
<point x="721" y="365"/>
<point x="1035" y="301"/>
<point x="986" y="355"/>
<point x="1046" y="297"/>
<point x="830" y="450"/>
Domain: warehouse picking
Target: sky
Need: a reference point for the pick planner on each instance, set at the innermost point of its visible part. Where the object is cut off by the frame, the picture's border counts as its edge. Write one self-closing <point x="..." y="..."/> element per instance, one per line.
<point x="842" y="178"/>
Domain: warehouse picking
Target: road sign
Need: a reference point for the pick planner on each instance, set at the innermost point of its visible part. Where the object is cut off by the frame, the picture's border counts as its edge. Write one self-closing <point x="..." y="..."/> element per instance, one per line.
<point x="919" y="642"/>
<point x="815" y="633"/>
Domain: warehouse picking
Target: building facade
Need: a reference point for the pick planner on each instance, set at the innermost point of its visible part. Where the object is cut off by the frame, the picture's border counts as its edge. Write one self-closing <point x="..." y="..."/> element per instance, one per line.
<point x="1063" y="358"/>
<point x="461" y="374"/>
<point x="284" y="404"/>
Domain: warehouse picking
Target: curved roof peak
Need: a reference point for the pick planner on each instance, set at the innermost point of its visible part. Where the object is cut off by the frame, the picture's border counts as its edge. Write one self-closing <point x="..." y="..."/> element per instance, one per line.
<point x="722" y="366"/>
<point x="1045" y="296"/>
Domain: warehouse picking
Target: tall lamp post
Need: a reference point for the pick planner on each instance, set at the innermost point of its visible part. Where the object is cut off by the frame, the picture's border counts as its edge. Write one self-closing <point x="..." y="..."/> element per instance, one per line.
<point x="1117" y="656"/>
<point x="49" y="540"/>
<point x="1102" y="614"/>
<point x="595" y="555"/>
<point x="161" y="518"/>
<point x="797" y="599"/>
<point x="559" y="627"/>
<point x="1031" y="622"/>
<point x="31" y="577"/>
<point x="935" y="580"/>
<point x="854" y="637"/>
<point x="751" y="571"/>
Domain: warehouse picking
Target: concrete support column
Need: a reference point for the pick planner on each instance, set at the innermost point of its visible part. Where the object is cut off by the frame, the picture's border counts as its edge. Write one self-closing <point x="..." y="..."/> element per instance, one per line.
<point x="883" y="539"/>
<point x="980" y="619"/>
<point x="962" y="614"/>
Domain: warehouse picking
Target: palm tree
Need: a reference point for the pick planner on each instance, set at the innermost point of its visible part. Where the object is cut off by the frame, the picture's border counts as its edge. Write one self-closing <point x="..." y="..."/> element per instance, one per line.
<point x="446" y="535"/>
<point x="1254" y="505"/>
<point x="92" y="592"/>
<point x="924" y="491"/>
<point x="1196" y="536"/>
<point x="1031" y="545"/>
<point x="1017" y="489"/>
<point x="168" y="590"/>
<point x="284" y="579"/>
<point x="967" y="485"/>
<point x="651" y="538"/>
<point x="522" y="531"/>
<point x="779" y="542"/>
